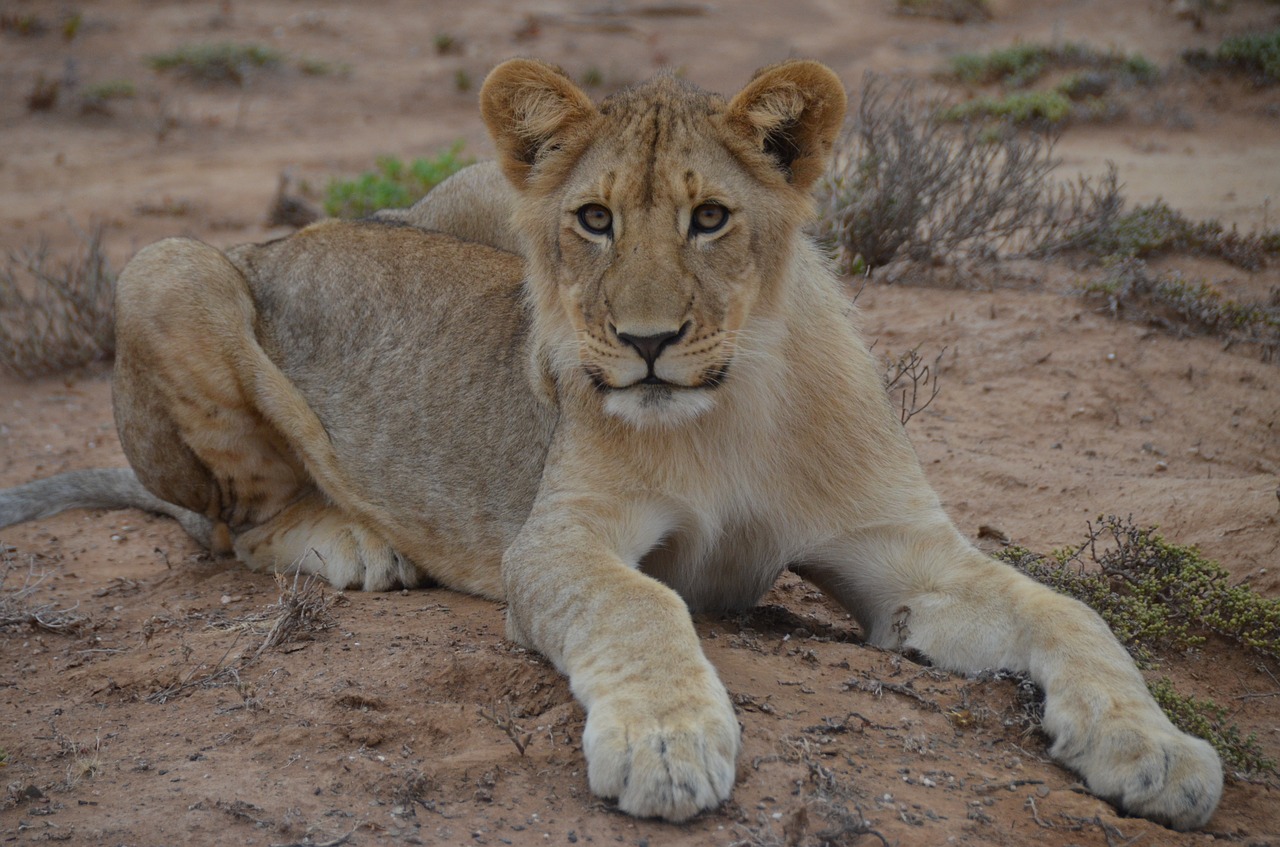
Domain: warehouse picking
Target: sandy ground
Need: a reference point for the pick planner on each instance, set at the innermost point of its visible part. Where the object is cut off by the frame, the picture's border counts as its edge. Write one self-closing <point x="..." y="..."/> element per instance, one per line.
<point x="161" y="722"/>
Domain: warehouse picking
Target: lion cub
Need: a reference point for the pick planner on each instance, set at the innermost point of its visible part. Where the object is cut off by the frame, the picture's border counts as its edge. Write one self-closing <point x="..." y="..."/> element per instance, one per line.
<point x="661" y="406"/>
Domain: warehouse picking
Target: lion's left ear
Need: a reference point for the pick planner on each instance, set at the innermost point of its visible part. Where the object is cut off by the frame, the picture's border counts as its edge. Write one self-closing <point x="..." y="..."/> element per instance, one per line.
<point x="791" y="112"/>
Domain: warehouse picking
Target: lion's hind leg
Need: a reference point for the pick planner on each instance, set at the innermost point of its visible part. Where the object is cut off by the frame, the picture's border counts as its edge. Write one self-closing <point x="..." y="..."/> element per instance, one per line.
<point x="209" y="422"/>
<point x="923" y="587"/>
<point x="187" y="421"/>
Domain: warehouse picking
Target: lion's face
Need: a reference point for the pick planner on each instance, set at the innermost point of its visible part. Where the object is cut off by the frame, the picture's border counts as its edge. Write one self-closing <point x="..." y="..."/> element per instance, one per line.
<point x="656" y="226"/>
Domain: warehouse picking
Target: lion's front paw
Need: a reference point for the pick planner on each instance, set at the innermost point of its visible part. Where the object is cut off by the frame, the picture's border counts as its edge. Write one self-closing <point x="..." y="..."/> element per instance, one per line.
<point x="1147" y="767"/>
<point x="663" y="755"/>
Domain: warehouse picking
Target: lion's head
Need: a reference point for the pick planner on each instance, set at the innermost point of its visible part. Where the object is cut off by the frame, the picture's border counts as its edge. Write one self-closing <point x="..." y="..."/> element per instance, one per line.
<point x="658" y="222"/>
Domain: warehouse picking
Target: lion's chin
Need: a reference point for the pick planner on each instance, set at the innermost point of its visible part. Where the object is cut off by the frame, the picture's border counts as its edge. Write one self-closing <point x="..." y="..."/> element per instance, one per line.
<point x="664" y="406"/>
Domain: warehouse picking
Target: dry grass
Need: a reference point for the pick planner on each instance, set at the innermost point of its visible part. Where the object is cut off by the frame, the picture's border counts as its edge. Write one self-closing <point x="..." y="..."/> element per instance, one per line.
<point x="19" y="610"/>
<point x="56" y="315"/>
<point x="304" y="608"/>
<point x="905" y="184"/>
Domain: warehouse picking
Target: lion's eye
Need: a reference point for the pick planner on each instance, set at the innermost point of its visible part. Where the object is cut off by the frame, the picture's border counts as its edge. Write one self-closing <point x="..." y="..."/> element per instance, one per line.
<point x="708" y="218"/>
<point x="595" y="219"/>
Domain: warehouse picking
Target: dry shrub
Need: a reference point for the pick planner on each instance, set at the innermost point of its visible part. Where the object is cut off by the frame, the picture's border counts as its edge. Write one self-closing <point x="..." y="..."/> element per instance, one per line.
<point x="303" y="608"/>
<point x="912" y="383"/>
<point x="905" y="184"/>
<point x="56" y="315"/>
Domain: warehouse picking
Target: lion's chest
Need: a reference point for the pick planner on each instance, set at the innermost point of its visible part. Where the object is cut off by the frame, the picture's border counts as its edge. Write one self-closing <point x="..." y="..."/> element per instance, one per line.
<point x="727" y="569"/>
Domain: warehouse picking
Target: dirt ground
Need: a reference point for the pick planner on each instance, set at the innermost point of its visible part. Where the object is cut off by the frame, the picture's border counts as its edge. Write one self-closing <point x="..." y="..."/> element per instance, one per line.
<point x="409" y="719"/>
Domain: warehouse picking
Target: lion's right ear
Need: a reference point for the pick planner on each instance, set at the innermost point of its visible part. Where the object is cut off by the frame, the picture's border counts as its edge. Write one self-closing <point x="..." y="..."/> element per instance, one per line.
<point x="792" y="113"/>
<point x="529" y="108"/>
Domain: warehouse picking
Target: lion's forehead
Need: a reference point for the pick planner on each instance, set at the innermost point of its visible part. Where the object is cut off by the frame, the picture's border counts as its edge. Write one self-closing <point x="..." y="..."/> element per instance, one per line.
<point x="658" y="150"/>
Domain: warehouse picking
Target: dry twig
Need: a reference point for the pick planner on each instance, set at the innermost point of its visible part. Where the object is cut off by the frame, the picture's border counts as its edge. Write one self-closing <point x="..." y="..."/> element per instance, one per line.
<point x="506" y="722"/>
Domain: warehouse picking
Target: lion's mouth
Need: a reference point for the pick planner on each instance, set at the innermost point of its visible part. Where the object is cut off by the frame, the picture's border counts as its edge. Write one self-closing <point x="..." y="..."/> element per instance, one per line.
<point x="712" y="378"/>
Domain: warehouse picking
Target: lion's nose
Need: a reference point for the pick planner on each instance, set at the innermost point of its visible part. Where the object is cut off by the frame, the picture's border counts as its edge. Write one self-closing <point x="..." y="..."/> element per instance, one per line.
<point x="650" y="347"/>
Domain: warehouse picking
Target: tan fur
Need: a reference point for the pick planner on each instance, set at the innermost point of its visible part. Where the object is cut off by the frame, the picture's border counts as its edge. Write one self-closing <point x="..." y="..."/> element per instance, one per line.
<point x="387" y="406"/>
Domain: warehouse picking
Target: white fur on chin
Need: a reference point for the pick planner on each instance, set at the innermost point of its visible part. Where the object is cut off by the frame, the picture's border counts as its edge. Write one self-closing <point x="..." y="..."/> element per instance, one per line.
<point x="656" y="406"/>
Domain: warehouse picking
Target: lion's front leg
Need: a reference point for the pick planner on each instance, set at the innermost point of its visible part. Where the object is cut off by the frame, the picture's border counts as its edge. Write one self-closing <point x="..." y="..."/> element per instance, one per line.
<point x="924" y="587"/>
<point x="661" y="734"/>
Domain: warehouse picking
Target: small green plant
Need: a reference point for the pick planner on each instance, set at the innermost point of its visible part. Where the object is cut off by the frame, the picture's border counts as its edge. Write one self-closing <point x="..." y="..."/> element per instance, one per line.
<point x="71" y="24"/>
<point x="1255" y="54"/>
<point x="446" y="43"/>
<point x="393" y="184"/>
<point x="320" y="67"/>
<point x="98" y="98"/>
<point x="1016" y="66"/>
<point x="462" y="80"/>
<point x="1210" y="721"/>
<point x="1019" y="107"/>
<point x="114" y="89"/>
<point x="216" y="62"/>
<point x="593" y="77"/>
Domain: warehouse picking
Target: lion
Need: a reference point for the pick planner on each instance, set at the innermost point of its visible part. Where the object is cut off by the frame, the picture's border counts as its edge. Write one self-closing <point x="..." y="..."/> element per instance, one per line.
<point x="658" y="405"/>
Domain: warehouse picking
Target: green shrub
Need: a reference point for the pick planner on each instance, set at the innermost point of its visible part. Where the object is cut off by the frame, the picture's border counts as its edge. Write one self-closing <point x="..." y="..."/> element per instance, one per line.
<point x="1256" y="54"/>
<point x="216" y="62"/>
<point x="1129" y="289"/>
<point x="320" y="67"/>
<point x="1023" y="64"/>
<point x="1153" y="594"/>
<point x="1156" y="228"/>
<point x="1019" y="107"/>
<point x="393" y="184"/>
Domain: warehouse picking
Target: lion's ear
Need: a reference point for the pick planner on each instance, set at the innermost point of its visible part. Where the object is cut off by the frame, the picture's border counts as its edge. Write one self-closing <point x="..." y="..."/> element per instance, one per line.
<point x="529" y="106"/>
<point x="791" y="112"/>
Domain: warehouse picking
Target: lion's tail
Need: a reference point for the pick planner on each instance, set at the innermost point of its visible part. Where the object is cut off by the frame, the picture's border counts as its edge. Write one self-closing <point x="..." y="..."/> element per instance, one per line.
<point x="100" y="488"/>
